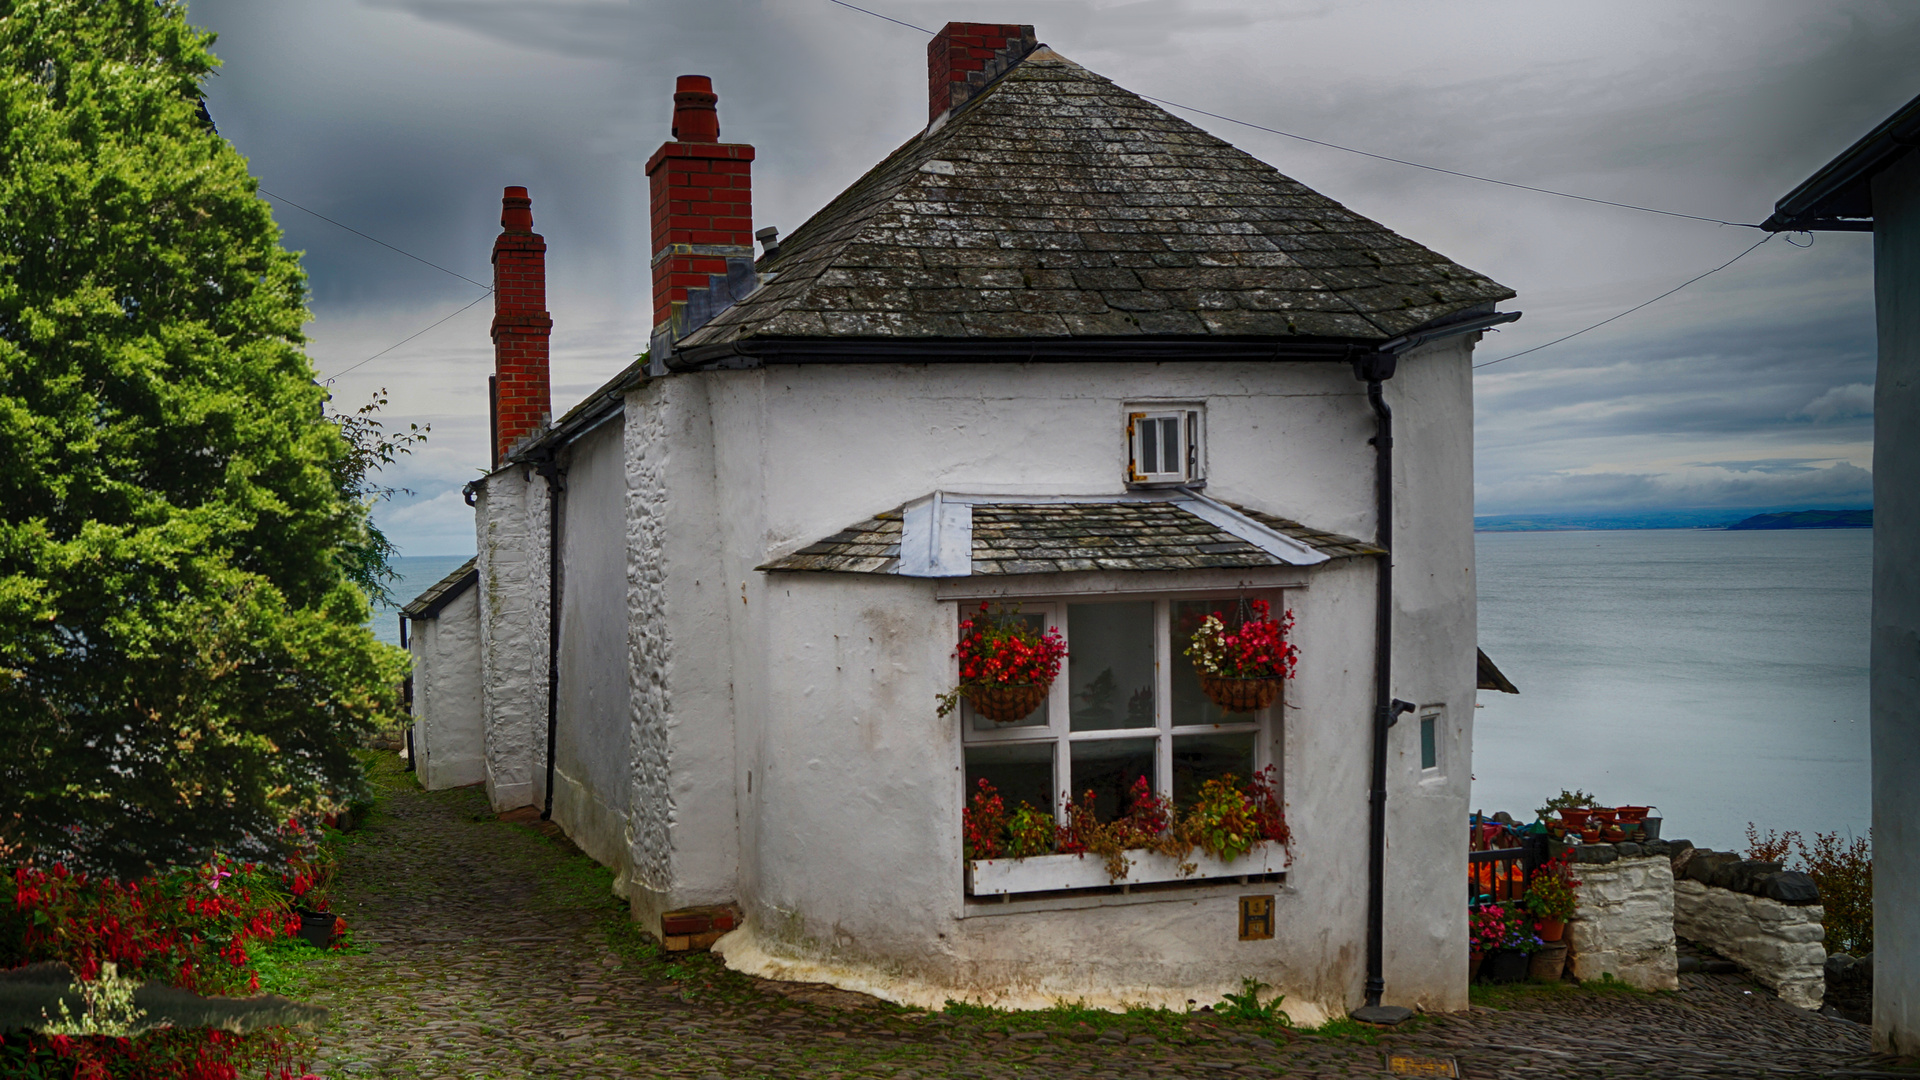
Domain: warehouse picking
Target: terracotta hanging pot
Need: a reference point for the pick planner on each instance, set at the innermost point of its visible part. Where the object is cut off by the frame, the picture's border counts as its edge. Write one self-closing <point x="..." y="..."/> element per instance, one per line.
<point x="1006" y="703"/>
<point x="1239" y="695"/>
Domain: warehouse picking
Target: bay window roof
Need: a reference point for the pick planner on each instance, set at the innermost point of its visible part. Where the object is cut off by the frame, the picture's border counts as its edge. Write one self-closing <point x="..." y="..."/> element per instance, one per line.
<point x="953" y="535"/>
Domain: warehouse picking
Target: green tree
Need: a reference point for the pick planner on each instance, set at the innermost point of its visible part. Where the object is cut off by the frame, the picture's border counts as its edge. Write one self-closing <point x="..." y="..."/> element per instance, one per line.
<point x="183" y="656"/>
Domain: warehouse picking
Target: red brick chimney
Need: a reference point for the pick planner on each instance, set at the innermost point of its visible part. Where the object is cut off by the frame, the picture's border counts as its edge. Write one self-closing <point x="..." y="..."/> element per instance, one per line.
<point x="702" y="193"/>
<point x="523" y="400"/>
<point x="963" y="57"/>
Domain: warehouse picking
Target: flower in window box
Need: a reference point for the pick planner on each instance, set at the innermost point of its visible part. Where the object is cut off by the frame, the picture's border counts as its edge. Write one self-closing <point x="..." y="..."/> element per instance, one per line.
<point x="1006" y="668"/>
<point x="1241" y="668"/>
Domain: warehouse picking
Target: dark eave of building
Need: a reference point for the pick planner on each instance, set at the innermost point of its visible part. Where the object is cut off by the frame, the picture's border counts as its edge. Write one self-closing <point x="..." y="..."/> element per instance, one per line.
<point x="1839" y="198"/>
<point x="443" y="592"/>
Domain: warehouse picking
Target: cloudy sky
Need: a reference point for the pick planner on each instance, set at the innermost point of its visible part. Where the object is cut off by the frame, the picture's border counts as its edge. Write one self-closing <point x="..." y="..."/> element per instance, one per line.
<point x="1751" y="389"/>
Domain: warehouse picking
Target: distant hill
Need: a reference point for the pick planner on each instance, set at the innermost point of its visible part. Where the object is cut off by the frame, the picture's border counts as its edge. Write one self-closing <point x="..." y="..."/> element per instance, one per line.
<point x="1809" y="519"/>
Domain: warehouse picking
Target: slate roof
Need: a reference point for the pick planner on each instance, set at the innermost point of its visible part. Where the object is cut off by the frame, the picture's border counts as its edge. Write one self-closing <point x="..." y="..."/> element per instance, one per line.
<point x="1057" y="205"/>
<point x="1043" y="538"/>
<point x="441" y="593"/>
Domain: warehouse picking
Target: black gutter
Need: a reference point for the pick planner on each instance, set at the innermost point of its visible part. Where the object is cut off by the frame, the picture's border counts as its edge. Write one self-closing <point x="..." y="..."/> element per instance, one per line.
<point x="1839" y="198"/>
<point x="550" y="468"/>
<point x="406" y="694"/>
<point x="1375" y="370"/>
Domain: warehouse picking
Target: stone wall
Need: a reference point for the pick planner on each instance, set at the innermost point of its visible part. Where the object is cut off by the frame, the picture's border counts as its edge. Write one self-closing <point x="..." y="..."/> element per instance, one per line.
<point x="1624" y="924"/>
<point x="1779" y="944"/>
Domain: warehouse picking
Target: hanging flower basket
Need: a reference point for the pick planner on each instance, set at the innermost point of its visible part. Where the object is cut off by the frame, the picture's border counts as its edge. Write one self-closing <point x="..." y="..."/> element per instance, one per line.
<point x="1241" y="669"/>
<point x="1240" y="695"/>
<point x="1005" y="703"/>
<point x="1006" y="668"/>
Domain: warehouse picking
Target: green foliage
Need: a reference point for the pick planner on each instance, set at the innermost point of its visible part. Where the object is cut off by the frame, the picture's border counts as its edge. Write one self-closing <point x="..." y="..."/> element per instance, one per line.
<point x="1841" y="869"/>
<point x="1029" y="832"/>
<point x="183" y="660"/>
<point x="1245" y="1005"/>
<point x="1567" y="800"/>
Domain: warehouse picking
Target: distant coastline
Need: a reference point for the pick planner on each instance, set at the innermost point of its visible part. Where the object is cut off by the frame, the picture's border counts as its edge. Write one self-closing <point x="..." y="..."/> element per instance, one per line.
<point x="1809" y="519"/>
<point x="1718" y="520"/>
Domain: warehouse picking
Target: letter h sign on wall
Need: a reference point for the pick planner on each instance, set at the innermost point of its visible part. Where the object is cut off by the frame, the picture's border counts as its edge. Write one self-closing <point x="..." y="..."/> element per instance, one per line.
<point x="1256" y="918"/>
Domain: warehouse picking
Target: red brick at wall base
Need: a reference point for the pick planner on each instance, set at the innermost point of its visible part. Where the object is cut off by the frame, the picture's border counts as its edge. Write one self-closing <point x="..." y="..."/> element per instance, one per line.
<point x="521" y="326"/>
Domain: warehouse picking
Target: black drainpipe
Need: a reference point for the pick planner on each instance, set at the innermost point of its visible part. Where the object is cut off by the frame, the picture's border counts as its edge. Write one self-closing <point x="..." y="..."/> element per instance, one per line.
<point x="550" y="468"/>
<point x="1375" y="370"/>
<point x="406" y="695"/>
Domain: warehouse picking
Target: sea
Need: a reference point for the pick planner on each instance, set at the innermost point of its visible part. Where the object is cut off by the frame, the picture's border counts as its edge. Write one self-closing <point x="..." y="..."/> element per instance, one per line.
<point x="1719" y="676"/>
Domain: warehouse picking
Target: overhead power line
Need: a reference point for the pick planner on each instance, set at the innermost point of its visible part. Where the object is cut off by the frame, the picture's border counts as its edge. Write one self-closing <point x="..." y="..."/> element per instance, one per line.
<point x="375" y="239"/>
<point x="329" y="379"/>
<point x="1632" y="309"/>
<point x="1377" y="157"/>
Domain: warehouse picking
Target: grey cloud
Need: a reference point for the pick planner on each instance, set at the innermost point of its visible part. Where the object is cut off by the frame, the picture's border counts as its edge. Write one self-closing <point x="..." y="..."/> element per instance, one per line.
<point x="1841" y="484"/>
<point x="1841" y="402"/>
<point x="1771" y="465"/>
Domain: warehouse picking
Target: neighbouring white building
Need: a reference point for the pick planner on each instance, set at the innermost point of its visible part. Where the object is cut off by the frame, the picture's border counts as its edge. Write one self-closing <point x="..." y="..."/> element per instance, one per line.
<point x="1874" y="186"/>
<point x="1063" y="348"/>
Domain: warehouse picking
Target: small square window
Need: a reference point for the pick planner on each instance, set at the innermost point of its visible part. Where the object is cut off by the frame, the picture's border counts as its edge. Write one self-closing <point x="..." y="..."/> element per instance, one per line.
<point x="1163" y="446"/>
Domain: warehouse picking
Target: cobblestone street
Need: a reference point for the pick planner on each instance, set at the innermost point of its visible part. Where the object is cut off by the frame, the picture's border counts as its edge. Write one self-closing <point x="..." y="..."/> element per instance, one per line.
<point x="486" y="949"/>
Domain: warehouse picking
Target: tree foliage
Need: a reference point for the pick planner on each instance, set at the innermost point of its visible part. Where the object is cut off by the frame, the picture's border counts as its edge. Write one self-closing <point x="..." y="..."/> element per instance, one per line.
<point x="183" y="656"/>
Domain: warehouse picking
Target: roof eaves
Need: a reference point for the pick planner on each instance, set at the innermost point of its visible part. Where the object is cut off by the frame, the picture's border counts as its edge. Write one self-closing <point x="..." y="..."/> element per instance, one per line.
<point x="1839" y="197"/>
<point x="609" y="397"/>
<point x="443" y="592"/>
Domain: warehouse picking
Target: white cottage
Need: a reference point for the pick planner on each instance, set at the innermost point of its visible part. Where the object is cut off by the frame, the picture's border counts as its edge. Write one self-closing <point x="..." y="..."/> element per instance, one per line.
<point x="1061" y="348"/>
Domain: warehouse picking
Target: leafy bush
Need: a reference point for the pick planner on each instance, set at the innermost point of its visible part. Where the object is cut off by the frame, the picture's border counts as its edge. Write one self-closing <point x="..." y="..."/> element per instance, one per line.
<point x="1843" y="872"/>
<point x="1567" y="800"/>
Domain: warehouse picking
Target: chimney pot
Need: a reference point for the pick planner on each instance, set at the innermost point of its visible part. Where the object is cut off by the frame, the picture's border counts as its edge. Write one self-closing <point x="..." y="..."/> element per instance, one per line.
<point x="695" y="118"/>
<point x="516" y="211"/>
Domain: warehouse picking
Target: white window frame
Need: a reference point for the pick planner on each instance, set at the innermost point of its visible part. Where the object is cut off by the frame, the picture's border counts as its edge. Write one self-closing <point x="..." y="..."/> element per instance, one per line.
<point x="1190" y="422"/>
<point x="1058" y="730"/>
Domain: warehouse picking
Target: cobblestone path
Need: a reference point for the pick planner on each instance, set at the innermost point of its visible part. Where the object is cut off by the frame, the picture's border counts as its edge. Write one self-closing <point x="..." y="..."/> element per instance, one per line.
<point x="493" y="951"/>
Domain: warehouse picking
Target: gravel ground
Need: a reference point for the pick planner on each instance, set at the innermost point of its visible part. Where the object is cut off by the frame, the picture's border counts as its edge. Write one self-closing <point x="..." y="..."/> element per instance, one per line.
<point x="485" y="949"/>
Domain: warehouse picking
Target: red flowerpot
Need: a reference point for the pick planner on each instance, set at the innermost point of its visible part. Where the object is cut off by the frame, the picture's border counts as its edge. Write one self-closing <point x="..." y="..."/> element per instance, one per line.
<point x="1632" y="814"/>
<point x="1591" y="835"/>
<point x="1552" y="929"/>
<point x="1474" y="960"/>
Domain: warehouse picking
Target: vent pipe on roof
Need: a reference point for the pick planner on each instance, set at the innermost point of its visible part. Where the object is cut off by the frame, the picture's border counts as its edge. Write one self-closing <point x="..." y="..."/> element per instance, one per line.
<point x="769" y="238"/>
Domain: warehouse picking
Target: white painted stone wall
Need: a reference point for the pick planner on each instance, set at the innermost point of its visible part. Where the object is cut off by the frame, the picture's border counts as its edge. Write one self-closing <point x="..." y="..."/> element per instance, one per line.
<point x="1779" y="944"/>
<point x="684" y="833"/>
<point x="448" y="734"/>
<point x="512" y="525"/>
<point x="1896" y="610"/>
<point x="1624" y="923"/>
<point x="851" y="822"/>
<point x="595" y="724"/>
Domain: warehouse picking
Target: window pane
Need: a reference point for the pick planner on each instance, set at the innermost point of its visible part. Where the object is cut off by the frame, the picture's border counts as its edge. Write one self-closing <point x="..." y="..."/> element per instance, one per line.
<point x="1429" y="752"/>
<point x="1037" y="623"/>
<point x="1190" y="704"/>
<point x="1110" y="665"/>
<point x="1170" y="449"/>
<point x="1021" y="772"/>
<point x="1150" y="446"/>
<point x="1200" y="758"/>
<point x="1108" y="768"/>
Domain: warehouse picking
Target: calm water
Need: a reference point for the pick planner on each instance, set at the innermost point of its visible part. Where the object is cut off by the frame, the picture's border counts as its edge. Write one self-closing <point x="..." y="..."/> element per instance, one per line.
<point x="1721" y="676"/>
<point x="416" y="575"/>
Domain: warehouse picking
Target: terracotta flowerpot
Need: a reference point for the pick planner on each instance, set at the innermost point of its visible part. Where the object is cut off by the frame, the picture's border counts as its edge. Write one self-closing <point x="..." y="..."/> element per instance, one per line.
<point x="1604" y="815"/>
<point x="1573" y="817"/>
<point x="1630" y="814"/>
<point x="1475" y="958"/>
<point x="1613" y="834"/>
<point x="1552" y="929"/>
<point x="1006" y="703"/>
<point x="1506" y="966"/>
<point x="1548" y="964"/>
<point x="1240" y="695"/>
<point x="1590" y="835"/>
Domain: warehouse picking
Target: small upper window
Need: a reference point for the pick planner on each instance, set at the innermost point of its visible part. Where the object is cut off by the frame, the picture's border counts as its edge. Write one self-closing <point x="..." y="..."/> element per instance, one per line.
<point x="1163" y="446"/>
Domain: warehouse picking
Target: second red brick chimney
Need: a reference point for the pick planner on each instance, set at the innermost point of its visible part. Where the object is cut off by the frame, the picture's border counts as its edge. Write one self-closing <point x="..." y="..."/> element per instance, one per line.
<point x="963" y="57"/>
<point x="523" y="398"/>
<point x="702" y="202"/>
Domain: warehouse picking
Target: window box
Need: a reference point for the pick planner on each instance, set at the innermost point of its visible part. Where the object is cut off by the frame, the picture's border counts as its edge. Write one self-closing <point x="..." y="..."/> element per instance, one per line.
<point x="1051" y="873"/>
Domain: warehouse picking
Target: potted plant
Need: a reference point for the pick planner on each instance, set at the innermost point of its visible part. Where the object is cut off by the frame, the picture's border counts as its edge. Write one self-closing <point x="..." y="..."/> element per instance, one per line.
<point x="1241" y="668"/>
<point x="1551" y="900"/>
<point x="1488" y="930"/>
<point x="1006" y="668"/>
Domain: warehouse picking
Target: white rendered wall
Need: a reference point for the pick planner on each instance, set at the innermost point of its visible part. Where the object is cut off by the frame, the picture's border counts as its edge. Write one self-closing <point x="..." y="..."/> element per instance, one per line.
<point x="1896" y="611"/>
<point x="511" y="519"/>
<point x="852" y="824"/>
<point x="683" y="838"/>
<point x="592" y="784"/>
<point x="1435" y="625"/>
<point x="449" y="745"/>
